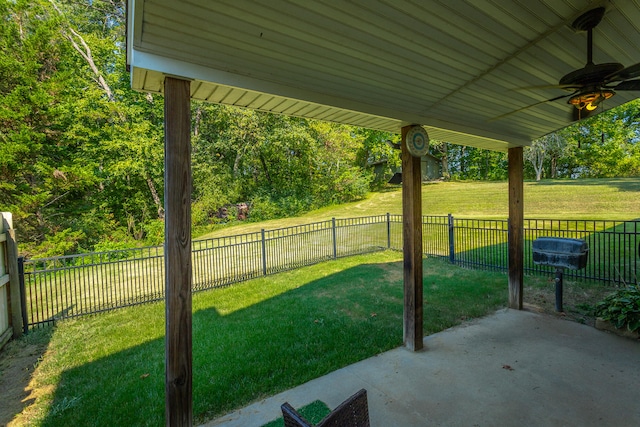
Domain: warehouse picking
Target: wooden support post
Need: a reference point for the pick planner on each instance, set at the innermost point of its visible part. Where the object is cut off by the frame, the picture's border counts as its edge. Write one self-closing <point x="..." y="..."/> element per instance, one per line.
<point x="516" y="227"/>
<point x="412" y="247"/>
<point x="178" y="274"/>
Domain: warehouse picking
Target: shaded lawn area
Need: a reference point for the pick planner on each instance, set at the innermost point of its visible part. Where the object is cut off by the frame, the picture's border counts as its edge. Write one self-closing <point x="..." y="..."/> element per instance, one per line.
<point x="250" y="340"/>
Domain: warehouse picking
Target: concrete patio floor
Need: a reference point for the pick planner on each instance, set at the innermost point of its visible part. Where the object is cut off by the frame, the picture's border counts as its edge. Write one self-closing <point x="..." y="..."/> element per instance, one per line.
<point x="513" y="368"/>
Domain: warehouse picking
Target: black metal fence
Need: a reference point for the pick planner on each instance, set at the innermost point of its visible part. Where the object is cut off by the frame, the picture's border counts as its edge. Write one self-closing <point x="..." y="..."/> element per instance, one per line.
<point x="75" y="285"/>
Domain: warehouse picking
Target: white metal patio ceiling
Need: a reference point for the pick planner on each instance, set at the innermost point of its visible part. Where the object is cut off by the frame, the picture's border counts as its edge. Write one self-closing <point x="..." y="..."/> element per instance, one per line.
<point x="450" y="65"/>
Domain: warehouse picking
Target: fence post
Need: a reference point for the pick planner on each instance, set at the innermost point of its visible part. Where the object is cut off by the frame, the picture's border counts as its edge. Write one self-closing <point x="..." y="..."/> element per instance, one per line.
<point x="452" y="248"/>
<point x="14" y="284"/>
<point x="335" y="242"/>
<point x="264" y="254"/>
<point x="23" y="295"/>
<point x="388" y="230"/>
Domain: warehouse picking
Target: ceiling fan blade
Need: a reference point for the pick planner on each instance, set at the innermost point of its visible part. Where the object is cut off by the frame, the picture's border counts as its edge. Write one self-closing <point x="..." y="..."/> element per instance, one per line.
<point x="530" y="106"/>
<point x="628" y="85"/>
<point x="630" y="72"/>
<point x="573" y="87"/>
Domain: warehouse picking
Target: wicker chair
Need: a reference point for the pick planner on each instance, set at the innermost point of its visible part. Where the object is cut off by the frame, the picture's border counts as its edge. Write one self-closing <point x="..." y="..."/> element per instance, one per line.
<point x="353" y="412"/>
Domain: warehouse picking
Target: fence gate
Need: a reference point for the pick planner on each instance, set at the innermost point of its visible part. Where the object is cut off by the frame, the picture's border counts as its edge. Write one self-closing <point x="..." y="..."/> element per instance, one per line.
<point x="5" y="328"/>
<point x="8" y="277"/>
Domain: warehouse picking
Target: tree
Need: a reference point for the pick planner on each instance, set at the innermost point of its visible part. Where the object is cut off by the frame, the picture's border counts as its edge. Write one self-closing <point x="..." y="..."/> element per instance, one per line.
<point x="605" y="145"/>
<point x="75" y="138"/>
<point x="440" y="149"/>
<point x="378" y="148"/>
<point x="475" y="163"/>
<point x="549" y="146"/>
<point x="336" y="178"/>
<point x="81" y="154"/>
<point x="37" y="169"/>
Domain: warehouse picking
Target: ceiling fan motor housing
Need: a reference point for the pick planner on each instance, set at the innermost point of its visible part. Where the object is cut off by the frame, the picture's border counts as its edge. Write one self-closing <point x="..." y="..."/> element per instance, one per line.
<point x="591" y="74"/>
<point x="589" y="82"/>
<point x="592" y="84"/>
<point x="588" y="20"/>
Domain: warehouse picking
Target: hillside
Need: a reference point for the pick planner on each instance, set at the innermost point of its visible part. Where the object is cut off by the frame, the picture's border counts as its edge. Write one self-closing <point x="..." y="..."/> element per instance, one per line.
<point x="610" y="199"/>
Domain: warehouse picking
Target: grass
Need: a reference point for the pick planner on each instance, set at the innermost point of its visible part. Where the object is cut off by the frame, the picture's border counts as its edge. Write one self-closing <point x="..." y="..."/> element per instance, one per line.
<point x="595" y="198"/>
<point x="314" y="412"/>
<point x="579" y="297"/>
<point x="605" y="198"/>
<point x="257" y="338"/>
<point x="250" y="340"/>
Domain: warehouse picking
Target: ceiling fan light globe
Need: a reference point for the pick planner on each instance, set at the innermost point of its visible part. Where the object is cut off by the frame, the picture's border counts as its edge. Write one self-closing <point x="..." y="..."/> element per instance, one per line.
<point x="590" y="99"/>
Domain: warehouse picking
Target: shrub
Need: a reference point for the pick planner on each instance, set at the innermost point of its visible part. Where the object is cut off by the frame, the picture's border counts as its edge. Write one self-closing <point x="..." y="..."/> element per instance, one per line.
<point x="154" y="232"/>
<point x="113" y="250"/>
<point x="63" y="242"/>
<point x="263" y="208"/>
<point x="622" y="308"/>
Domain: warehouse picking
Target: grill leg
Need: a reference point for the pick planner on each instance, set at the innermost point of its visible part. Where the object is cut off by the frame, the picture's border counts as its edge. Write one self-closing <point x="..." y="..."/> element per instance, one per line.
<point x="559" y="289"/>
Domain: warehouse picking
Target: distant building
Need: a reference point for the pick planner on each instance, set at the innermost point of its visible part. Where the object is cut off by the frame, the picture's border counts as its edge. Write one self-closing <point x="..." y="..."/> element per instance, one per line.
<point x="430" y="167"/>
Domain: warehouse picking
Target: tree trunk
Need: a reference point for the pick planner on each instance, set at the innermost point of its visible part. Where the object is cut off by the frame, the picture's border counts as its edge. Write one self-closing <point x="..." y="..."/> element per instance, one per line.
<point x="236" y="163"/>
<point x="156" y="198"/>
<point x="463" y="150"/>
<point x="445" y="161"/>
<point x="87" y="55"/>
<point x="197" y="120"/>
<point x="535" y="154"/>
<point x="539" y="165"/>
<point x="266" y="170"/>
<point x="486" y="166"/>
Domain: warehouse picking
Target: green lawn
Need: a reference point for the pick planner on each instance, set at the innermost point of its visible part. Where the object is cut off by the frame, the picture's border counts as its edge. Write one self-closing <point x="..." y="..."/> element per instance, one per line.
<point x="605" y="199"/>
<point x="256" y="338"/>
<point x="250" y="340"/>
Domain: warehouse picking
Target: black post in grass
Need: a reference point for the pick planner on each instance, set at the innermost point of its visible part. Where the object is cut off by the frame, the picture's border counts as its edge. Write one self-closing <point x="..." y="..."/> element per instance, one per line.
<point x="388" y="230"/>
<point x="452" y="249"/>
<point x="264" y="254"/>
<point x="335" y="243"/>
<point x="23" y="294"/>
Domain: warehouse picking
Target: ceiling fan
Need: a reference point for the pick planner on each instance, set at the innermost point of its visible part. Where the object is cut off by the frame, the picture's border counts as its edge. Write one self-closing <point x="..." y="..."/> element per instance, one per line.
<point x="593" y="83"/>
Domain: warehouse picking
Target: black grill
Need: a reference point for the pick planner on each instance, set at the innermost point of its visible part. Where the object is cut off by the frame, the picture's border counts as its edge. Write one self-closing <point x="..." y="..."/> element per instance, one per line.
<point x="560" y="253"/>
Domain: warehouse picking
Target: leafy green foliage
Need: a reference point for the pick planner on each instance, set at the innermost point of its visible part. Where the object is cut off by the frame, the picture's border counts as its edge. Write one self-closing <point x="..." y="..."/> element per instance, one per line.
<point x="469" y="163"/>
<point x="603" y="146"/>
<point x="82" y="155"/>
<point x="622" y="308"/>
<point x="375" y="150"/>
<point x="280" y="166"/>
